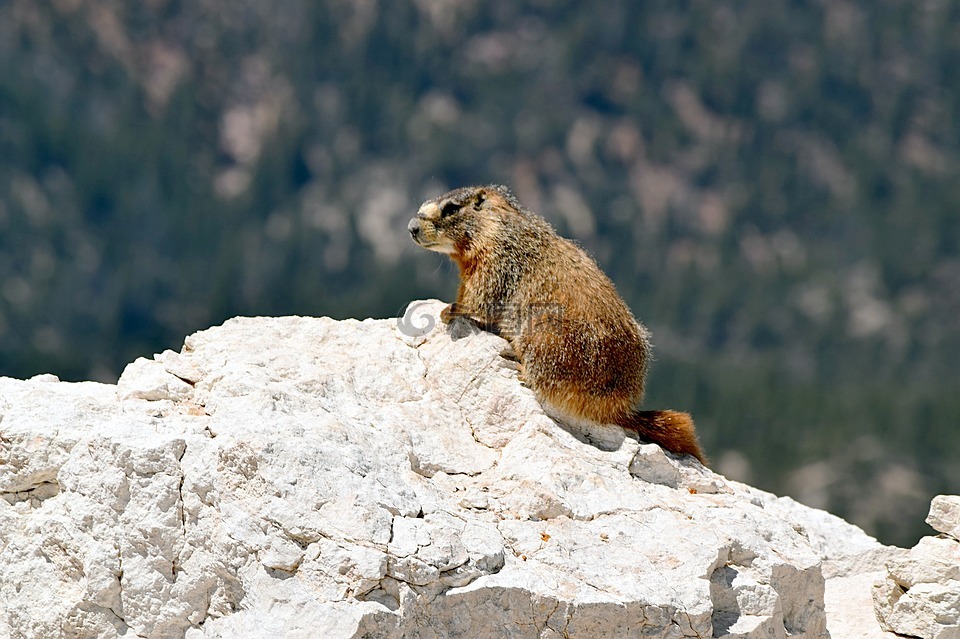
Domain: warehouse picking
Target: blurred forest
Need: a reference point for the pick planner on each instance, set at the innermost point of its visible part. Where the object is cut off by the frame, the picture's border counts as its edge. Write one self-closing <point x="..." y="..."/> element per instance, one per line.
<point x="774" y="186"/>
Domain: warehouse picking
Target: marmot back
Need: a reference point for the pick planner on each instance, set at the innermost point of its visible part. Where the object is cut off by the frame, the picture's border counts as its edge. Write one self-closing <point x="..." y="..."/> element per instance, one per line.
<point x="580" y="348"/>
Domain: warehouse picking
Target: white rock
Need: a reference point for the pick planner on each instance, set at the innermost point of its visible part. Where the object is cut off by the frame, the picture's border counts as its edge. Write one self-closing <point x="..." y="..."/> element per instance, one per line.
<point x="920" y="594"/>
<point x="944" y="515"/>
<point x="304" y="477"/>
<point x="149" y="380"/>
<point x="849" y="607"/>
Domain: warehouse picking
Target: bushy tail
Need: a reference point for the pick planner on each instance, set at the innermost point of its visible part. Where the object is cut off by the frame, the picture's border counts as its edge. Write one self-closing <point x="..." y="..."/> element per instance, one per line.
<point x="672" y="430"/>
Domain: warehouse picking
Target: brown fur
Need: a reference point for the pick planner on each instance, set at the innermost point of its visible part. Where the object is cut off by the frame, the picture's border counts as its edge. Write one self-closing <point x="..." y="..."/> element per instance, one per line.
<point x="579" y="346"/>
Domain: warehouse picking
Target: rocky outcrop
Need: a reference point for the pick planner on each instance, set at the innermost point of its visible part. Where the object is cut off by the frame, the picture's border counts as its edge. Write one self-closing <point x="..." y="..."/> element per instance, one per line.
<point x="920" y="594"/>
<point x="304" y="477"/>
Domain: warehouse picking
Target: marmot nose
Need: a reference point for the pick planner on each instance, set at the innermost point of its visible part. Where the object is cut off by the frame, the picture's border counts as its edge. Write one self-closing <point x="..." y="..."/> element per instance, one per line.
<point x="414" y="228"/>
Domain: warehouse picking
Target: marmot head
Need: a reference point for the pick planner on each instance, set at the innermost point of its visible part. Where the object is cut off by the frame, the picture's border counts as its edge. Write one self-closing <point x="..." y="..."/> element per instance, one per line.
<point x="459" y="222"/>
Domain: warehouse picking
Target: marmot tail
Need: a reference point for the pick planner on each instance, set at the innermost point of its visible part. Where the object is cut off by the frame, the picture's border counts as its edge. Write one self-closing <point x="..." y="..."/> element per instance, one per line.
<point x="672" y="430"/>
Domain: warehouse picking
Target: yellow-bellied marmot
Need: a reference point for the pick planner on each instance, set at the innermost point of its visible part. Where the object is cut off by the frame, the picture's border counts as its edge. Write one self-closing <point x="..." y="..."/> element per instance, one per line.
<point x="579" y="347"/>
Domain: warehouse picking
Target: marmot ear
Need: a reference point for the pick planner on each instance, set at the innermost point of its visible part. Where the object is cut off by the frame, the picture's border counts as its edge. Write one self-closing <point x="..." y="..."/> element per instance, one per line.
<point x="507" y="196"/>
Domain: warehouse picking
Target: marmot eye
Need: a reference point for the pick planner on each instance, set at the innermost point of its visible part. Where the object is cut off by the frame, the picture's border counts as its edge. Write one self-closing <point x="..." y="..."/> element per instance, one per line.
<point x="448" y="209"/>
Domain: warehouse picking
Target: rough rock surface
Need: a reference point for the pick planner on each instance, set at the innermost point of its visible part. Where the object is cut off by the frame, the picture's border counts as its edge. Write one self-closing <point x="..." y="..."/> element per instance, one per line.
<point x="944" y="515"/>
<point x="920" y="594"/>
<point x="304" y="477"/>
